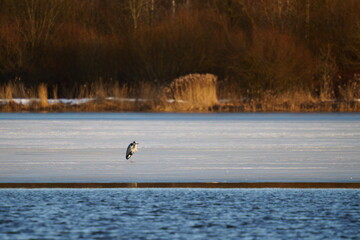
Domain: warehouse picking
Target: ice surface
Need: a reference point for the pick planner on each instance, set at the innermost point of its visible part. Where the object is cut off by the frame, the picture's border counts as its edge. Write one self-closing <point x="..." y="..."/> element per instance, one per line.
<point x="90" y="147"/>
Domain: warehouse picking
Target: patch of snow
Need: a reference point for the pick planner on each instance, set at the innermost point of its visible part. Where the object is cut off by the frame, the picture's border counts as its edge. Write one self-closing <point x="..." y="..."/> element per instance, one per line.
<point x="176" y="101"/>
<point x="75" y="101"/>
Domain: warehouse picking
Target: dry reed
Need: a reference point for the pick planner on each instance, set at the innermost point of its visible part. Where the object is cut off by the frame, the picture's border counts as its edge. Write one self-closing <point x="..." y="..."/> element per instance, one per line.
<point x="43" y="95"/>
<point x="55" y="92"/>
<point x="193" y="92"/>
<point x="350" y="91"/>
<point x="8" y="92"/>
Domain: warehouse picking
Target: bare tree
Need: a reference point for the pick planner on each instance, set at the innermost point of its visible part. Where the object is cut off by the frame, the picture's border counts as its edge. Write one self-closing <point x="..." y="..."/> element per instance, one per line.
<point x="39" y="20"/>
<point x="173" y="6"/>
<point x="30" y="25"/>
<point x="141" y="11"/>
<point x="307" y="20"/>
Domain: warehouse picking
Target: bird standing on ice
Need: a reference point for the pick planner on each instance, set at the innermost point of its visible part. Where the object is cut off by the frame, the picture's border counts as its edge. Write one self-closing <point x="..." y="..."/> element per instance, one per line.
<point x="132" y="148"/>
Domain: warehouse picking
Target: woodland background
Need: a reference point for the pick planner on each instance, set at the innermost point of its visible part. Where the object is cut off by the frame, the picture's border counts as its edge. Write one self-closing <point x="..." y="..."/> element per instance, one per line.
<point x="255" y="48"/>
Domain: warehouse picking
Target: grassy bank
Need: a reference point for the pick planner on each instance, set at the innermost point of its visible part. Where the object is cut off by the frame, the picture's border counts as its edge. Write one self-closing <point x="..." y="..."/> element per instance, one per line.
<point x="192" y="93"/>
<point x="150" y="106"/>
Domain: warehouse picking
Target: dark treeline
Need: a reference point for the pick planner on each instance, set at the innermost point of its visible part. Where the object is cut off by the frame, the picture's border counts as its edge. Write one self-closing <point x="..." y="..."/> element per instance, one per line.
<point x="252" y="46"/>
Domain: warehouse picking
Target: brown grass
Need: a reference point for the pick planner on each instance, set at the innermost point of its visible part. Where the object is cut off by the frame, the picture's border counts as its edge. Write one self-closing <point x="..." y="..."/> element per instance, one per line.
<point x="55" y="92"/>
<point x="298" y="101"/>
<point x="191" y="93"/>
<point x="350" y="91"/>
<point x="8" y="92"/>
<point x="43" y="95"/>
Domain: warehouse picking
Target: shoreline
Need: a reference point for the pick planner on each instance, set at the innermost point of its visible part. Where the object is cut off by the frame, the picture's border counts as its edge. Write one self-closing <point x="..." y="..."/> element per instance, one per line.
<point x="141" y="105"/>
<point x="302" y="185"/>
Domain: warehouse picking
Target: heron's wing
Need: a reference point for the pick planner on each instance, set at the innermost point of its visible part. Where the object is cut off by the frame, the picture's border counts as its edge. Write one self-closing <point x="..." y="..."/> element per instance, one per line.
<point x="128" y="156"/>
<point x="128" y="152"/>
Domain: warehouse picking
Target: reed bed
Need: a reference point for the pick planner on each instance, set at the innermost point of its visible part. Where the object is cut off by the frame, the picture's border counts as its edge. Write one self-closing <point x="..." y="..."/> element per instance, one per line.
<point x="43" y="95"/>
<point x="191" y="93"/>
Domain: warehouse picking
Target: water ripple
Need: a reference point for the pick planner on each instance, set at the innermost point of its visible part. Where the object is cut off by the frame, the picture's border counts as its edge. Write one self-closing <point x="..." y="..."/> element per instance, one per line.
<point x="179" y="214"/>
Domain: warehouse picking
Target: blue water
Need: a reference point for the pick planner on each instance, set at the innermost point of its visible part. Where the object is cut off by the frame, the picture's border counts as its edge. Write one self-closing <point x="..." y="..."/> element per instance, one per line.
<point x="179" y="214"/>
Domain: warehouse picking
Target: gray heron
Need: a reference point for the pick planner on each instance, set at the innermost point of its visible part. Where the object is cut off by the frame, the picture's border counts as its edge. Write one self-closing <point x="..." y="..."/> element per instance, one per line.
<point x="132" y="148"/>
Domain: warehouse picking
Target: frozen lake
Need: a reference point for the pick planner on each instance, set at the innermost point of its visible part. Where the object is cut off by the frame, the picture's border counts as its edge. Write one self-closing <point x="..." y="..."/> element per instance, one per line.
<point x="90" y="147"/>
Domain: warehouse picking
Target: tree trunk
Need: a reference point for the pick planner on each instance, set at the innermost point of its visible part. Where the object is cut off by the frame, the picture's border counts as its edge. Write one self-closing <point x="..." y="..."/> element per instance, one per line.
<point x="173" y="4"/>
<point x="307" y="20"/>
